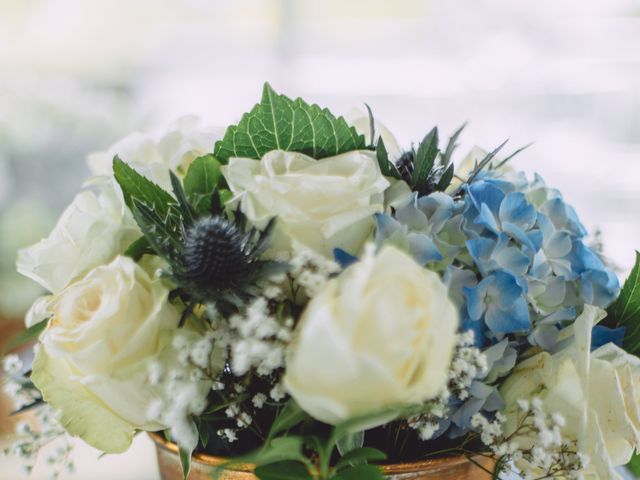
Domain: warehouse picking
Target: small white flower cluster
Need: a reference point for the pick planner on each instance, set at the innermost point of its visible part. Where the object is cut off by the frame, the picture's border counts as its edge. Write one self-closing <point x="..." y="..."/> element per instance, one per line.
<point x="259" y="339"/>
<point x="49" y="433"/>
<point x="547" y="454"/>
<point x="20" y="392"/>
<point x="311" y="271"/>
<point x="183" y="388"/>
<point x="468" y="363"/>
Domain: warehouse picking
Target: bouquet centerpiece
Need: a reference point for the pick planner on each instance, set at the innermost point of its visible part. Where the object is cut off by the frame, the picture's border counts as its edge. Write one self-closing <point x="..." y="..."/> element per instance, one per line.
<point x="301" y="294"/>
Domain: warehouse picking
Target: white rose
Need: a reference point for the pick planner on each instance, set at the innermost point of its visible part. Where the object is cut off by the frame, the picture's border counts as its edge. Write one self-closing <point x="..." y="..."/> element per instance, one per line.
<point x="598" y="394"/>
<point x="90" y="232"/>
<point x="184" y="141"/>
<point x="320" y="204"/>
<point x="380" y="335"/>
<point x="362" y="123"/>
<point x="94" y="359"/>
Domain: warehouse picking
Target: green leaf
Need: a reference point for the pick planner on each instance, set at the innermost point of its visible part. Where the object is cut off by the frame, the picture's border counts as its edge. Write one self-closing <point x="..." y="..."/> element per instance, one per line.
<point x="136" y="186"/>
<point x="162" y="233"/>
<point x="185" y="462"/>
<point x="287" y="470"/>
<point x="360" y="472"/>
<point x="202" y="178"/>
<point x="361" y="455"/>
<point x="287" y="418"/>
<point x="634" y="465"/>
<point x="186" y="210"/>
<point x="445" y="179"/>
<point x="387" y="168"/>
<point x="349" y="442"/>
<point x="626" y="309"/>
<point x="25" y="337"/>
<point x="279" y="123"/>
<point x="424" y="161"/>
<point x="452" y="145"/>
<point x="139" y="248"/>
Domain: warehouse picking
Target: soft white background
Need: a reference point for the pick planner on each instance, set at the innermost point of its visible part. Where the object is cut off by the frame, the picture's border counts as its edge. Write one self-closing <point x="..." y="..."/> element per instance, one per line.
<point x="75" y="75"/>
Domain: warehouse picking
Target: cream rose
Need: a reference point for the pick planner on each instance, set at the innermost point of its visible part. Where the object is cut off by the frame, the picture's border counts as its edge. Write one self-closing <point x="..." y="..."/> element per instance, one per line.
<point x="94" y="358"/>
<point x="598" y="394"/>
<point x="184" y="140"/>
<point x="91" y="231"/>
<point x="362" y="123"/>
<point x="320" y="204"/>
<point x="378" y="336"/>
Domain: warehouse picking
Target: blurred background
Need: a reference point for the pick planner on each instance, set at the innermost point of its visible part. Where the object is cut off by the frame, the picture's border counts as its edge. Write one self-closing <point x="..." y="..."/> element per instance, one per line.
<point x="77" y="75"/>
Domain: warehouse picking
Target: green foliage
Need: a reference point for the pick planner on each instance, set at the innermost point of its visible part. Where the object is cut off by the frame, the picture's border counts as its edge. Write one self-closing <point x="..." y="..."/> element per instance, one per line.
<point x="361" y="455"/>
<point x="424" y="161"/>
<point x="387" y="167"/>
<point x="139" y="248"/>
<point x="290" y="416"/>
<point x="634" y="465"/>
<point x="156" y="211"/>
<point x="25" y="337"/>
<point x="279" y="123"/>
<point x="202" y="179"/>
<point x="185" y="462"/>
<point x="360" y="472"/>
<point x="625" y="311"/>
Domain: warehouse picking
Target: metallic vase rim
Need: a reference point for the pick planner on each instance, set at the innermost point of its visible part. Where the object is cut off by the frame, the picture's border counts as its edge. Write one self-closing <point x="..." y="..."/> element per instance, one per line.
<point x="387" y="469"/>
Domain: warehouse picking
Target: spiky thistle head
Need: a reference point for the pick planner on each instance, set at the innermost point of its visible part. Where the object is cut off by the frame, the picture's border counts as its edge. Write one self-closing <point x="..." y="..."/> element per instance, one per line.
<point x="214" y="252"/>
<point x="220" y="259"/>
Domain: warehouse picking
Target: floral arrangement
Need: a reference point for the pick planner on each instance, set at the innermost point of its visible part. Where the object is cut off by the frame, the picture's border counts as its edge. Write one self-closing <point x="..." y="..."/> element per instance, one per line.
<point x="311" y="298"/>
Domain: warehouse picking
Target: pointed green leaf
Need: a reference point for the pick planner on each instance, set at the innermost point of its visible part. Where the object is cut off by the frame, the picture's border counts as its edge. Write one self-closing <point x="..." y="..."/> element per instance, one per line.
<point x="162" y="233"/>
<point x="290" y="415"/>
<point x="445" y="179"/>
<point x="139" y="248"/>
<point x="137" y="186"/>
<point x="451" y="145"/>
<point x="185" y="462"/>
<point x="29" y="335"/>
<point x="188" y="213"/>
<point x="626" y="309"/>
<point x="425" y="159"/>
<point x="361" y="455"/>
<point x="387" y="168"/>
<point x="279" y="123"/>
<point x="202" y="178"/>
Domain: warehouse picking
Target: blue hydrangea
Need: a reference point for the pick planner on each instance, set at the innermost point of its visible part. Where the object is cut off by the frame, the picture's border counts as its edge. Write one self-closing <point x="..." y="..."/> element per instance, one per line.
<point x="512" y="252"/>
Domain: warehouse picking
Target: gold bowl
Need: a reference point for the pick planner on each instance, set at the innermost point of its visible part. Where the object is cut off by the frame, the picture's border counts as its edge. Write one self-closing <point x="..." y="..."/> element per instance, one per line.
<point x="443" y="468"/>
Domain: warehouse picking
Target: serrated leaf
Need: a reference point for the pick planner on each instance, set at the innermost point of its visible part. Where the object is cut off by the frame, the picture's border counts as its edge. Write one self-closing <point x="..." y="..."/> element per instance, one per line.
<point x="136" y="186"/>
<point x="626" y="309"/>
<point x="287" y="470"/>
<point x="424" y="161"/>
<point x="361" y="455"/>
<point x="202" y="179"/>
<point x="162" y="233"/>
<point x="360" y="472"/>
<point x="186" y="210"/>
<point x="279" y="123"/>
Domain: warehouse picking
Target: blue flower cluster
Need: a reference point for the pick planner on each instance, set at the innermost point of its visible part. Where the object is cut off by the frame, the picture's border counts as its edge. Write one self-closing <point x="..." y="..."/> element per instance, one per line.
<point x="512" y="252"/>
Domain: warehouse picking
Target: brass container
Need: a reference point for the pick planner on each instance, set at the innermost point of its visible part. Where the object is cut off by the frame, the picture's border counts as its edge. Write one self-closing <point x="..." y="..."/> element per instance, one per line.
<point x="446" y="468"/>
